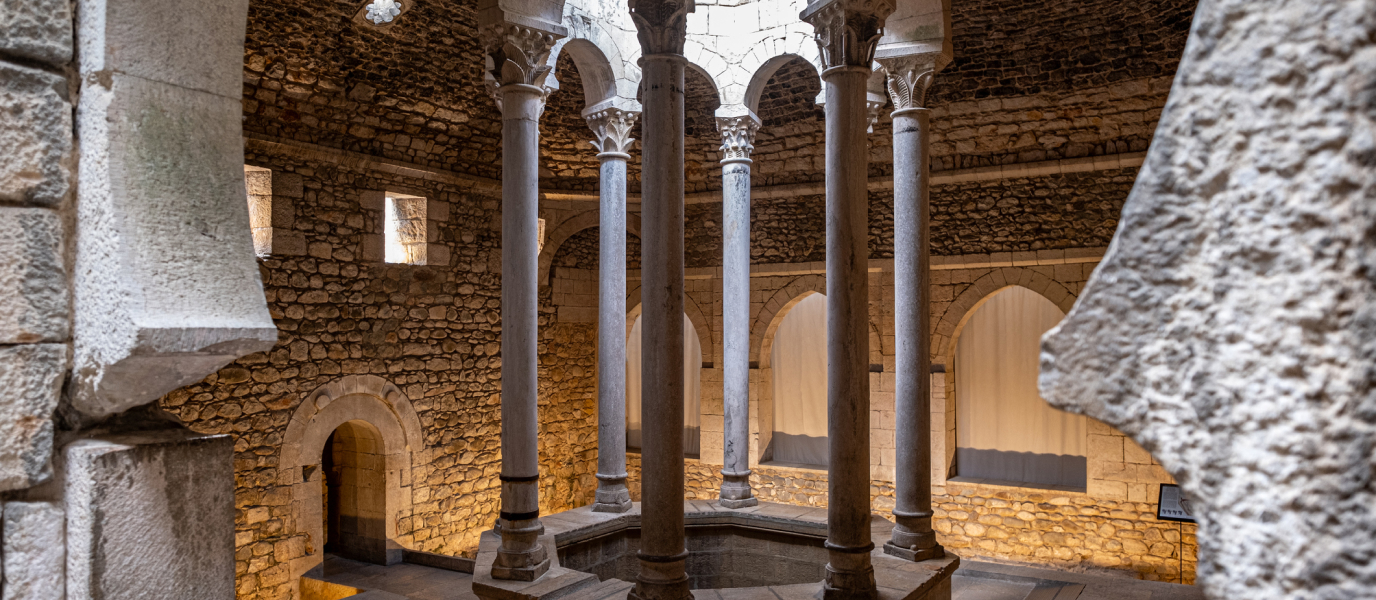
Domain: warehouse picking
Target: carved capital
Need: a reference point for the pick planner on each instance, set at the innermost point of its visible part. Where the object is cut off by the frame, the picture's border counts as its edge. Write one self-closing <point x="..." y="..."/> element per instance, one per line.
<point x="612" y="128"/>
<point x="661" y="25"/>
<point x="737" y="136"/>
<point x="516" y="54"/>
<point x="909" y="78"/>
<point x="873" y="106"/>
<point x="847" y="31"/>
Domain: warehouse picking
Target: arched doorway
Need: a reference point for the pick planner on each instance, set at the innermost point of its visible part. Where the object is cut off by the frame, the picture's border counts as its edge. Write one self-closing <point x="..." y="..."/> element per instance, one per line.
<point x="799" y="360"/>
<point x="692" y="387"/>
<point x="349" y="448"/>
<point x="354" y="503"/>
<point x="1005" y="432"/>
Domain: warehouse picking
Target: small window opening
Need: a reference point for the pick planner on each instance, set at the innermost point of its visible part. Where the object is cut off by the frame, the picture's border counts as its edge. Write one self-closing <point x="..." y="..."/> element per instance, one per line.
<point x="405" y="233"/>
<point x="258" y="181"/>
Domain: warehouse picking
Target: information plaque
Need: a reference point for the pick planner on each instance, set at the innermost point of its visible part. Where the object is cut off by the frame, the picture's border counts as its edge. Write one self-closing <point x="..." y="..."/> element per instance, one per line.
<point x="1172" y="505"/>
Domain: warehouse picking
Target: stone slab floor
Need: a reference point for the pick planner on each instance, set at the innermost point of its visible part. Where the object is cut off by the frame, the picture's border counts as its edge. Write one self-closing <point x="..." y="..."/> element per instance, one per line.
<point x="974" y="581"/>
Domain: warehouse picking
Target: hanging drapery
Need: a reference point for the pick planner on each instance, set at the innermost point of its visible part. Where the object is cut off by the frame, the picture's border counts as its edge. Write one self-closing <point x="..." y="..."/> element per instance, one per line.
<point x="1004" y="430"/>
<point x="799" y="361"/>
<point x="692" y="387"/>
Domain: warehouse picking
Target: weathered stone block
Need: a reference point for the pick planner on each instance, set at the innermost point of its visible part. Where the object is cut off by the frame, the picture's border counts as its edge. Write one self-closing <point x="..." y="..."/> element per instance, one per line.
<point x="37" y="29"/>
<point x="31" y="380"/>
<point x="169" y="276"/>
<point x="154" y="40"/>
<point x="33" y="280"/>
<point x="36" y="132"/>
<point x="150" y="516"/>
<point x="35" y="551"/>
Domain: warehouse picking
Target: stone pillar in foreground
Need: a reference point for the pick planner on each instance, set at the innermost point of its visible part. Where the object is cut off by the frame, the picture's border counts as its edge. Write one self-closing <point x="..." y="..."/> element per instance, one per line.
<point x="913" y="538"/>
<point x="516" y="78"/>
<point x="847" y="32"/>
<point x="661" y="26"/>
<point x="612" y="127"/>
<point x="738" y="137"/>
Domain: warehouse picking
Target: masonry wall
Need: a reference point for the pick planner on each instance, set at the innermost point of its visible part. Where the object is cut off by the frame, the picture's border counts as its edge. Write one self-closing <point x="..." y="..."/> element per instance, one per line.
<point x="433" y="330"/>
<point x="1108" y="525"/>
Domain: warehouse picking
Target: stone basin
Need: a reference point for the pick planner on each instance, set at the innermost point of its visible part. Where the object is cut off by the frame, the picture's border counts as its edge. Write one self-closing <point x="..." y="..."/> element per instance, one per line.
<point x="769" y="551"/>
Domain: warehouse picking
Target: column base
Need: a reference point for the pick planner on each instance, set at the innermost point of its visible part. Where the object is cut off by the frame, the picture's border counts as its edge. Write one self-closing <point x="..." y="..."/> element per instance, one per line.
<point x="522" y="557"/>
<point x="662" y="578"/>
<point x="913" y="538"/>
<point x="914" y="554"/>
<point x="612" y="495"/>
<point x="738" y="503"/>
<point x="735" y="490"/>
<point x="850" y="574"/>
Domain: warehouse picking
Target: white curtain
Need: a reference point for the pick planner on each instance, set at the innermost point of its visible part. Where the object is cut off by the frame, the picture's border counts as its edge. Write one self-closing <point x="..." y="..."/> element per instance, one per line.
<point x="799" y="360"/>
<point x="692" y="388"/>
<point x="1000" y="417"/>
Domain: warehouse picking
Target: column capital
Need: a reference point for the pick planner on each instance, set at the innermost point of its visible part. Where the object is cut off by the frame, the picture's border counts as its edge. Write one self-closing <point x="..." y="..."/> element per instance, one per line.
<point x="847" y="31"/>
<point x="661" y="25"/>
<point x="874" y="106"/>
<point x="737" y="136"/>
<point x="909" y="78"/>
<point x="612" y="128"/>
<point x="516" y="55"/>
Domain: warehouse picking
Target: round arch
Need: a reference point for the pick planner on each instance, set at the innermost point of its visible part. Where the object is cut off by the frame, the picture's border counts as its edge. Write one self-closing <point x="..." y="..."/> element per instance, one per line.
<point x="754" y="89"/>
<point x="354" y="399"/>
<point x="690" y="308"/>
<point x="565" y="230"/>
<point x="958" y="313"/>
<point x="599" y="61"/>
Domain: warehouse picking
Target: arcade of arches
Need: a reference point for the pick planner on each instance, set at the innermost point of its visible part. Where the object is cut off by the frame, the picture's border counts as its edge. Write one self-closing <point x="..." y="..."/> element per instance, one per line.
<point x="426" y="254"/>
<point x="1028" y="175"/>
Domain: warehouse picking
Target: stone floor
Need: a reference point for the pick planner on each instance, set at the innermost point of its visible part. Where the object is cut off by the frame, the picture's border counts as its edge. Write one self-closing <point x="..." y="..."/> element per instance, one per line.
<point x="974" y="581"/>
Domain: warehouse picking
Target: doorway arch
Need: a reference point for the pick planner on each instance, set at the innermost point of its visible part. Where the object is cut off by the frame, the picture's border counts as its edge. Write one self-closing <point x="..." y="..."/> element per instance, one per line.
<point x="369" y="424"/>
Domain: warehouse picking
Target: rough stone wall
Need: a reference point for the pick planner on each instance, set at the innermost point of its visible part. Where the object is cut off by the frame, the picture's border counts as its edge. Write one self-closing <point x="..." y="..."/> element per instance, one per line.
<point x="701" y="140"/>
<point x="1230" y="326"/>
<point x="1078" y="210"/>
<point x="413" y="91"/>
<point x="431" y="330"/>
<point x="790" y="146"/>
<point x="1063" y="47"/>
<point x="580" y="251"/>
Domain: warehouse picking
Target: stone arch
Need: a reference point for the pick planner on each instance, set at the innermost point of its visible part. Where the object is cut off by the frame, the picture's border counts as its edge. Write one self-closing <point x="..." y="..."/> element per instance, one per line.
<point x="599" y="59"/>
<point x="768" y="318"/>
<point x="599" y="73"/>
<point x="794" y="40"/>
<point x="755" y="88"/>
<point x="690" y="308"/>
<point x="565" y="230"/>
<point x="949" y="324"/>
<point x="357" y="398"/>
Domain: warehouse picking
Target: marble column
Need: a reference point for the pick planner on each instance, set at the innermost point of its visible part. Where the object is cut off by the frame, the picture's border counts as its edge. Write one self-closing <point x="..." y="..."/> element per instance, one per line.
<point x="612" y="127"/>
<point x="847" y="32"/>
<point x="738" y="137"/>
<point x="661" y="27"/>
<point x="913" y="538"/>
<point x="516" y="79"/>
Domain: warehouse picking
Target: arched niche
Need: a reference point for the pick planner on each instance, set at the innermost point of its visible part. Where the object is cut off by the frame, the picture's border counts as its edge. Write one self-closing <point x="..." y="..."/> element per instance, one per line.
<point x="370" y="406"/>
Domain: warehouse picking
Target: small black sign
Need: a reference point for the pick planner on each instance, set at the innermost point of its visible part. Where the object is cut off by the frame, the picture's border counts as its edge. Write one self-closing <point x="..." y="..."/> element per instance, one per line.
<point x="1172" y="505"/>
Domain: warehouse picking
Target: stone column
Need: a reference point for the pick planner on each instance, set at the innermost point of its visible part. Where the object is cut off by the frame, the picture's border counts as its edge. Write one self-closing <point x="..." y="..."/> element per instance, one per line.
<point x="847" y="32"/>
<point x="913" y="538"/>
<point x="661" y="25"/>
<point x="516" y="79"/>
<point x="612" y="127"/>
<point x="738" y="137"/>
